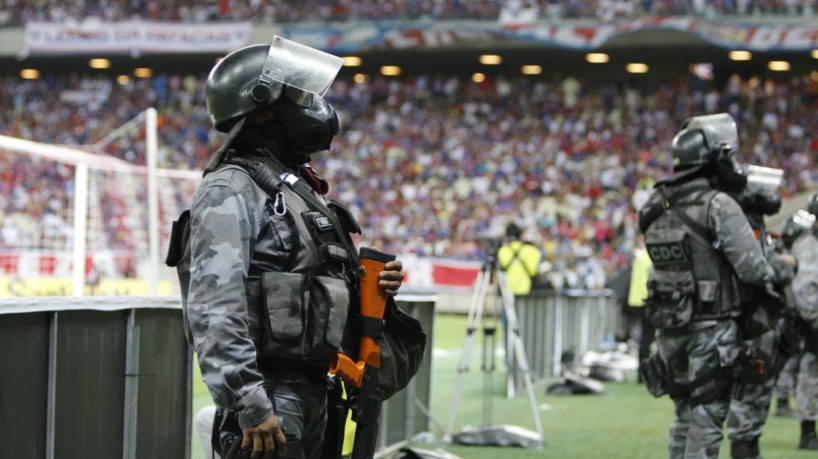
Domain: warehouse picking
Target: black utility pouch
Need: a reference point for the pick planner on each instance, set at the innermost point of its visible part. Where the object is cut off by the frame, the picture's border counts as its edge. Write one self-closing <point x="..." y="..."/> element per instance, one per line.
<point x="328" y="309"/>
<point x="321" y="227"/>
<point x="709" y="294"/>
<point x="672" y="289"/>
<point x="671" y="300"/>
<point x="179" y="240"/>
<point x="283" y="307"/>
<point x="345" y="217"/>
<point x="655" y="374"/>
<point x="326" y="238"/>
<point x="179" y="257"/>
<point x="305" y="315"/>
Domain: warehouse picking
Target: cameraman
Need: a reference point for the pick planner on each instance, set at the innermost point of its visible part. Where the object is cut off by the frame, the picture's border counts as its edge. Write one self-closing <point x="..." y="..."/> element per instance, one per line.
<point x="519" y="260"/>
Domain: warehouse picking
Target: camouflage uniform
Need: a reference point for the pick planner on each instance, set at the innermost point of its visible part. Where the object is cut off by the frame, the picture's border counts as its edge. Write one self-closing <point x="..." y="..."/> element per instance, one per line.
<point x="700" y="354"/>
<point x="751" y="405"/>
<point x="785" y="383"/>
<point x="805" y="289"/>
<point x="748" y="413"/>
<point x="792" y="339"/>
<point x="807" y="388"/>
<point x="235" y="235"/>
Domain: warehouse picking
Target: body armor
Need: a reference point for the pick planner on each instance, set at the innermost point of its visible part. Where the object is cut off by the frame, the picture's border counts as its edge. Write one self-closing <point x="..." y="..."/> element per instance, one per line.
<point x="692" y="280"/>
<point x="304" y="310"/>
<point x="298" y="314"/>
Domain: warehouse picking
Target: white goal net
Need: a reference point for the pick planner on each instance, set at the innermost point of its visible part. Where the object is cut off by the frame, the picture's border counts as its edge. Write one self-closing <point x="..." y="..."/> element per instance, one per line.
<point x="82" y="221"/>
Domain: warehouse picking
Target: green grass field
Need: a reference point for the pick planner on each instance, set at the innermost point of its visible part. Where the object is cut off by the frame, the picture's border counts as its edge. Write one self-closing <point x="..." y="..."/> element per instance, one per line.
<point x="625" y="423"/>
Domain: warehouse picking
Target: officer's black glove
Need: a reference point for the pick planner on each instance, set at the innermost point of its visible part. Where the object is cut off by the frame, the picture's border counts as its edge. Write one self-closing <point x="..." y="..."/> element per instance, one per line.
<point x="784" y="269"/>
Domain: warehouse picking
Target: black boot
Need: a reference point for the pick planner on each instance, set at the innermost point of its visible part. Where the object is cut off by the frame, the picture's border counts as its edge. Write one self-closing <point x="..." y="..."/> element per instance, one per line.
<point x="782" y="408"/>
<point x="745" y="449"/>
<point x="808" y="438"/>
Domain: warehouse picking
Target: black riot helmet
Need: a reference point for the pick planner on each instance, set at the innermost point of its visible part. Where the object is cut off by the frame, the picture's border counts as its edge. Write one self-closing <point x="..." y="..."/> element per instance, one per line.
<point x="709" y="141"/>
<point x="229" y="92"/>
<point x="759" y="202"/>
<point x="768" y="203"/>
<point x="801" y="222"/>
<point x="690" y="149"/>
<point x="286" y="76"/>
<point x="761" y="195"/>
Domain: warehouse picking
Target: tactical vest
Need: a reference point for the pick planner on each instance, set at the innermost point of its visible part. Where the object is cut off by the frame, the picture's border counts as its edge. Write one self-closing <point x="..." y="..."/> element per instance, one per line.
<point x="299" y="314"/>
<point x="692" y="280"/>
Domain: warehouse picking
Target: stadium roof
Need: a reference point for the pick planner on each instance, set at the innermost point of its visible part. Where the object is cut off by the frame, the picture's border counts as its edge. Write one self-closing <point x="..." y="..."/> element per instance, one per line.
<point x="669" y="46"/>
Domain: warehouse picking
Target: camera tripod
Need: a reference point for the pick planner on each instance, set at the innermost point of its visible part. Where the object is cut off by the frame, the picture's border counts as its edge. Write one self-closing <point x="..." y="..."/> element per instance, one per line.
<point x="489" y="279"/>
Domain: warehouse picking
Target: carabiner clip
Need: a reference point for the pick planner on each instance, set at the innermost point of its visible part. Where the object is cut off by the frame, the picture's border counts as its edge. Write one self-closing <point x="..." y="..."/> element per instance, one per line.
<point x="278" y="206"/>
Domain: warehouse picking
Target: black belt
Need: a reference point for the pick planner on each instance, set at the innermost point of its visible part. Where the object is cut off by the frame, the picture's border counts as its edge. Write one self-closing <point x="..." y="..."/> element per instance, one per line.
<point x="313" y="372"/>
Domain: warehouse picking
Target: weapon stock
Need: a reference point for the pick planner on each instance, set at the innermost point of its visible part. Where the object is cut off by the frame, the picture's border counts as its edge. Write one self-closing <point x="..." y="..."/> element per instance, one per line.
<point x="362" y="374"/>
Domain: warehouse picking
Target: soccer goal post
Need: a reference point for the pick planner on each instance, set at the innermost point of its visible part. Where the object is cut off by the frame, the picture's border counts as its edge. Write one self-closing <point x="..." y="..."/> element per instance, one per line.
<point x="78" y="221"/>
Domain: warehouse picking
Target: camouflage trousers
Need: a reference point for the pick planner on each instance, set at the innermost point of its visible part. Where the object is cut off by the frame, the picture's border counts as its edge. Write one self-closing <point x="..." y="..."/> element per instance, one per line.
<point x="699" y="356"/>
<point x="748" y="413"/>
<point x="806" y="393"/>
<point x="785" y="384"/>
<point x="301" y="407"/>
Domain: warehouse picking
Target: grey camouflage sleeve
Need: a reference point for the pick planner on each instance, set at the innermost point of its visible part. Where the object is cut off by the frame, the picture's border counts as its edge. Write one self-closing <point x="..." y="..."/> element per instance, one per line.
<point x="805" y="284"/>
<point x="222" y="228"/>
<point x="737" y="241"/>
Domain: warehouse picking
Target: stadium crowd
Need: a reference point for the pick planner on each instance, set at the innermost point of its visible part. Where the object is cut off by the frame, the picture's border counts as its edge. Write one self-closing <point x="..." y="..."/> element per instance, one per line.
<point x="16" y="12"/>
<point x="429" y="163"/>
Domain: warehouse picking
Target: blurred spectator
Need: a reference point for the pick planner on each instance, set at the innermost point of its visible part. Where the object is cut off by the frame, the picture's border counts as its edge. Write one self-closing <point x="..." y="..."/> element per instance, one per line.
<point x="16" y="12"/>
<point x="437" y="161"/>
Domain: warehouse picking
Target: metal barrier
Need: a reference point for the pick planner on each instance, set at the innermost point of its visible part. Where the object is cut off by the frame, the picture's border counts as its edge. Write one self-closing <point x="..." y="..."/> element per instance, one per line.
<point x="102" y="377"/>
<point x="406" y="413"/>
<point x="552" y="323"/>
<point x="94" y="377"/>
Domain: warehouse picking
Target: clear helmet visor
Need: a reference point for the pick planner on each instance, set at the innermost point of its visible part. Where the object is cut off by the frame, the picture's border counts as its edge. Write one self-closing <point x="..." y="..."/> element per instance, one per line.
<point x="300" y="67"/>
<point x="719" y="130"/>
<point x="764" y="178"/>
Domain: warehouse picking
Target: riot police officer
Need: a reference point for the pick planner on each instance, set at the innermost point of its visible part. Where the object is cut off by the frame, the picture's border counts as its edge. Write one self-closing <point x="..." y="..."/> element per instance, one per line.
<point x="791" y="330"/>
<point x="701" y="245"/>
<point x="272" y="270"/>
<point x="801" y="230"/>
<point x="759" y="330"/>
<point x="812" y="208"/>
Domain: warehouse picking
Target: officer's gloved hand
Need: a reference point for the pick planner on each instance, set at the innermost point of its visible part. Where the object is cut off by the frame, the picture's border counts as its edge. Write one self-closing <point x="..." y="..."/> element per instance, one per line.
<point x="785" y="267"/>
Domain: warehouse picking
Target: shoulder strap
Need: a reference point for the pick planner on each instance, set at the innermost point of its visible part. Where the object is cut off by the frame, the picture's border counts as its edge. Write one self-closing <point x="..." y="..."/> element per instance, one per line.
<point x="514" y="254"/>
<point x="268" y="177"/>
<point x="515" y="257"/>
<point x="656" y="211"/>
<point x="305" y="192"/>
<point x="698" y="228"/>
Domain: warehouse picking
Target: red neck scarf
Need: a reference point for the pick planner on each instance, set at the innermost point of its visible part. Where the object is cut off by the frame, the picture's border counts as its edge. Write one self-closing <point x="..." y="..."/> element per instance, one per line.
<point x="314" y="179"/>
